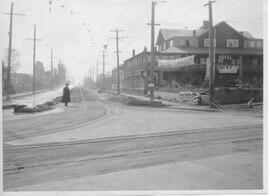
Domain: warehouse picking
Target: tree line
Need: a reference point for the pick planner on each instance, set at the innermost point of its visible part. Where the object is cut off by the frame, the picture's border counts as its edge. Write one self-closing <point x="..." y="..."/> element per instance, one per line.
<point x="23" y="82"/>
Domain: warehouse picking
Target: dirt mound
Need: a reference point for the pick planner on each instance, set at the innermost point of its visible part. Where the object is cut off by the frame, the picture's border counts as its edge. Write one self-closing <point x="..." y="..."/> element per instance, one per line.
<point x="38" y="108"/>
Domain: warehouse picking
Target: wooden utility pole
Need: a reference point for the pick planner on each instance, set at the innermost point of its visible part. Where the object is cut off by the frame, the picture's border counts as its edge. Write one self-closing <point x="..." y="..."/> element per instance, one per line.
<point x="52" y="57"/>
<point x="152" y="65"/>
<point x="89" y="76"/>
<point x="211" y="54"/>
<point x="34" y="59"/>
<point x="103" y="73"/>
<point x="10" y="47"/>
<point x="93" y="73"/>
<point x="117" y="55"/>
<point x="152" y="84"/>
<point x="241" y="68"/>
<point x="103" y="63"/>
<point x="97" y="74"/>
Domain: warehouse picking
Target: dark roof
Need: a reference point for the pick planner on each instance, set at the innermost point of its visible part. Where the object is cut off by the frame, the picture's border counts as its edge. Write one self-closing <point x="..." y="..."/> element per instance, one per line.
<point x="174" y="50"/>
<point x="246" y="34"/>
<point x="120" y="67"/>
<point x="168" y="34"/>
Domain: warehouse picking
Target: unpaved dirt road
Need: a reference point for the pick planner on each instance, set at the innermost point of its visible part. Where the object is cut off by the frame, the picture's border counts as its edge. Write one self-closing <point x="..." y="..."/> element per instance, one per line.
<point x="51" y="165"/>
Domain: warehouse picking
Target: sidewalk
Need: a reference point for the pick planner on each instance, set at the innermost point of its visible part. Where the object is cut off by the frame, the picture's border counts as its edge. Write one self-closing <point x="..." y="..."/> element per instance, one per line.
<point x="33" y="100"/>
<point x="20" y="95"/>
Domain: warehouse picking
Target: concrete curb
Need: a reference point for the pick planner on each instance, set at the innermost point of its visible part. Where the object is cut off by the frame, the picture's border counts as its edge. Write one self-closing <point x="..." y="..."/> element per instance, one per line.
<point x="196" y="109"/>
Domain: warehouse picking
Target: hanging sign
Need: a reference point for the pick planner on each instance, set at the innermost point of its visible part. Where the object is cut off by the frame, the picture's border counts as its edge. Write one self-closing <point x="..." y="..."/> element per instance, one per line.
<point x="176" y="64"/>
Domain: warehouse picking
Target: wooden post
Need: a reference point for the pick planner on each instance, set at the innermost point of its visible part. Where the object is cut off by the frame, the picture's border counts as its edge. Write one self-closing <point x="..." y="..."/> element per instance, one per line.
<point x="241" y="68"/>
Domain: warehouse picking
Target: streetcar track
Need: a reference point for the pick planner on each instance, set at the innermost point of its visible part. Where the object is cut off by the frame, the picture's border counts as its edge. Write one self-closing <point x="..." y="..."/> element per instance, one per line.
<point x="132" y="137"/>
<point x="128" y="153"/>
<point x="106" y="113"/>
<point x="201" y="142"/>
<point x="162" y="148"/>
<point x="157" y="146"/>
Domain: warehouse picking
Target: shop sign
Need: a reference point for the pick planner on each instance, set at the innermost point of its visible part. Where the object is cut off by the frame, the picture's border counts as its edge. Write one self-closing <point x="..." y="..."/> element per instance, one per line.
<point x="228" y="69"/>
<point x="227" y="64"/>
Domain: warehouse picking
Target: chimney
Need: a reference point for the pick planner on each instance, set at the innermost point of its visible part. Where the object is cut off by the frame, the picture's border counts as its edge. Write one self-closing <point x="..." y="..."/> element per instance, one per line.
<point x="205" y="24"/>
<point x="194" y="33"/>
<point x="145" y="49"/>
<point x="133" y="52"/>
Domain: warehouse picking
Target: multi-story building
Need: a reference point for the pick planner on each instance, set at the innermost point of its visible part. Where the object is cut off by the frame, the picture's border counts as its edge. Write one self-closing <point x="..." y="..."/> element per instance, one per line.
<point x="135" y="71"/>
<point x="238" y="55"/>
<point x="182" y="57"/>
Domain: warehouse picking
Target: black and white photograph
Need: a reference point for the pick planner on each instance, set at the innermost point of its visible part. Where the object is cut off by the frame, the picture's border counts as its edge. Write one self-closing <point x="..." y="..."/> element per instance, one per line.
<point x="134" y="97"/>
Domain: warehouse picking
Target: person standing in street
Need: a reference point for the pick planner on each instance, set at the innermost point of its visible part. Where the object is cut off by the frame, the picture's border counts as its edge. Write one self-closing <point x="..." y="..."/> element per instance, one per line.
<point x="66" y="95"/>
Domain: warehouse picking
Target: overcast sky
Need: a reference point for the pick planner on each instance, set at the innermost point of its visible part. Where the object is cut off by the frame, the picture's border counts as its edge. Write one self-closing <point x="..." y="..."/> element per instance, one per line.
<point x="77" y="29"/>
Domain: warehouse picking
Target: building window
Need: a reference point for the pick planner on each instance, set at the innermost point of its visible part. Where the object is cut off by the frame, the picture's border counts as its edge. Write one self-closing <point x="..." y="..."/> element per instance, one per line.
<point x="202" y="61"/>
<point x="252" y="44"/>
<point x="254" y="62"/>
<point x="206" y="42"/>
<point x="182" y="42"/>
<point x="232" y="43"/>
<point x="187" y="42"/>
<point x="259" y="44"/>
<point x="164" y="46"/>
<point x="171" y="43"/>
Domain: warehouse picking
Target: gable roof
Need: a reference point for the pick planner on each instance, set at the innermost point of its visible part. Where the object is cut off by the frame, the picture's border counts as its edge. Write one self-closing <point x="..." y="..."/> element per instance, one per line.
<point x="184" y="50"/>
<point x="168" y="34"/>
<point x="246" y="34"/>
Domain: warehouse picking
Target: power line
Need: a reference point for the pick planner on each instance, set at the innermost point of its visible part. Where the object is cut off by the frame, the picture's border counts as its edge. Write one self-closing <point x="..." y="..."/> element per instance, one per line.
<point x="136" y="38"/>
<point x="245" y="21"/>
<point x="184" y="14"/>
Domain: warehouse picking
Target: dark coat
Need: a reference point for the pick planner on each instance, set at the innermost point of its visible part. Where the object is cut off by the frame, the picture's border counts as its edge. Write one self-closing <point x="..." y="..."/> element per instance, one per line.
<point x="66" y="95"/>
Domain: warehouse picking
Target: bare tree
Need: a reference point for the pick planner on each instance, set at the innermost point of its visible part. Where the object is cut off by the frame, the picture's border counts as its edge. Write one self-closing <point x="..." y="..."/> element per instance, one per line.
<point x="15" y="62"/>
